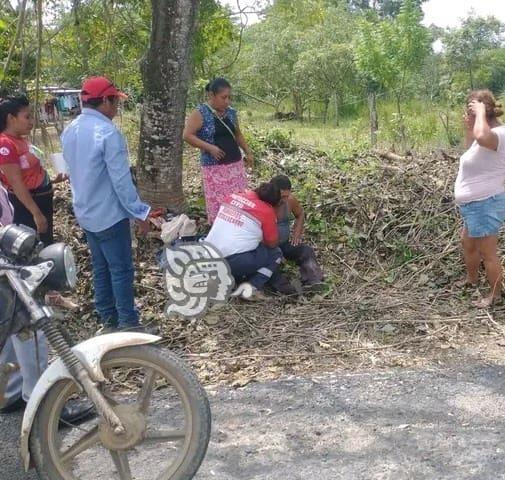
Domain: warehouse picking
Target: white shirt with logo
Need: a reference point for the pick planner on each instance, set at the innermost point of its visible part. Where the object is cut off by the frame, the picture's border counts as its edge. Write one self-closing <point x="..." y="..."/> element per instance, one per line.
<point x="243" y="221"/>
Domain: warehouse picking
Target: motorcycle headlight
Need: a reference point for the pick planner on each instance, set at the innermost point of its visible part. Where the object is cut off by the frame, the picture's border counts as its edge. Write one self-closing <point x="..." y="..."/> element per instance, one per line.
<point x="17" y="240"/>
<point x="64" y="274"/>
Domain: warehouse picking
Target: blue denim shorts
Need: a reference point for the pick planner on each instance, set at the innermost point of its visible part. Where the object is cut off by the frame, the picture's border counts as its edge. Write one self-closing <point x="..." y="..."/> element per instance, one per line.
<point x="484" y="218"/>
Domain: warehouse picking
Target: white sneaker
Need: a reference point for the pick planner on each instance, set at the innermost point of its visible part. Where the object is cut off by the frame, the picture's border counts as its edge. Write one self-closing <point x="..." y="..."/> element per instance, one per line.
<point x="247" y="292"/>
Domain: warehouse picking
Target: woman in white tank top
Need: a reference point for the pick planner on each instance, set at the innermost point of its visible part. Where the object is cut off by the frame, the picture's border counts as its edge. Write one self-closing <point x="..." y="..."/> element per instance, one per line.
<point x="480" y="192"/>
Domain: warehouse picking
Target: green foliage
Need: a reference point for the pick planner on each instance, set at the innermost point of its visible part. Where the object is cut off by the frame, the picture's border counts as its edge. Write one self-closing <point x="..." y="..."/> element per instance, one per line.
<point x="492" y="75"/>
<point x="389" y="51"/>
<point x="279" y="139"/>
<point x="215" y="31"/>
<point x="315" y="58"/>
<point x="465" y="46"/>
<point x="8" y="24"/>
<point x="107" y="38"/>
<point x="383" y="8"/>
<point x="95" y="38"/>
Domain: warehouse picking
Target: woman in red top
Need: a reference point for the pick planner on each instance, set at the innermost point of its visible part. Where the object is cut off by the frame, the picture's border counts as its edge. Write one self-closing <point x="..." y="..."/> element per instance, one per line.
<point x="21" y="172"/>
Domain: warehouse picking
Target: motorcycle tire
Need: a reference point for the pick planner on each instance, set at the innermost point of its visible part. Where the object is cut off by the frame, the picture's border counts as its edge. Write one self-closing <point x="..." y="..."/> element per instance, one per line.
<point x="181" y="377"/>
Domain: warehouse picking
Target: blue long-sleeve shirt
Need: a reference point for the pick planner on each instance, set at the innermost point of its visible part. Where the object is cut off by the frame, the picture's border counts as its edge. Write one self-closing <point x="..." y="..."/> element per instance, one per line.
<point x="102" y="186"/>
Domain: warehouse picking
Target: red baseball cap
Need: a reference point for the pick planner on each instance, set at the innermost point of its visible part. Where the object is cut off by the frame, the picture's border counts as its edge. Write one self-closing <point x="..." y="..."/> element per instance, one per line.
<point x="99" y="87"/>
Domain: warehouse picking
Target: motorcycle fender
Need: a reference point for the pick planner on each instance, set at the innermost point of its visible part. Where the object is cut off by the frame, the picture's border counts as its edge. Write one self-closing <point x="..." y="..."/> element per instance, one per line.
<point x="90" y="352"/>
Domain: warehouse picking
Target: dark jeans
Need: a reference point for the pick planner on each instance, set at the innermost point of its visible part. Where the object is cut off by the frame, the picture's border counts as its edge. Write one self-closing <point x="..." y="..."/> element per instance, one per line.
<point x="305" y="258"/>
<point x="257" y="266"/>
<point x="43" y="197"/>
<point x="113" y="274"/>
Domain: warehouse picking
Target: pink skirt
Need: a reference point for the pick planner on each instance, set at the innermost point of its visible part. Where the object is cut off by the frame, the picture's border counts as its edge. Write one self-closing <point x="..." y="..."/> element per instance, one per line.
<point x="220" y="181"/>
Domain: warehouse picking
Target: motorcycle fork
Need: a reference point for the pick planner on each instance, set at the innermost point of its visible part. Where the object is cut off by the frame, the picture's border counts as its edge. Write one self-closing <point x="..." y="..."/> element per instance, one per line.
<point x="41" y="316"/>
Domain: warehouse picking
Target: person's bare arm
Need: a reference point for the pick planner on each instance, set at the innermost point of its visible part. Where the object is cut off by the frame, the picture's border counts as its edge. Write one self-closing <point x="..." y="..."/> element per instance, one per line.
<point x="193" y="124"/>
<point x="249" y="157"/>
<point x="482" y="132"/>
<point x="13" y="174"/>
<point x="299" y="226"/>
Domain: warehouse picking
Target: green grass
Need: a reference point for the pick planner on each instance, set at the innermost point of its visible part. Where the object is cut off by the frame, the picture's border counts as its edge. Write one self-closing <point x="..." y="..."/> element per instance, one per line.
<point x="423" y="127"/>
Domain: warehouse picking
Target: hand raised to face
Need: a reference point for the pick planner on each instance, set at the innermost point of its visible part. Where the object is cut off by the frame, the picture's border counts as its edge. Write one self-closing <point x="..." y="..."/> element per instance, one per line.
<point x="475" y="107"/>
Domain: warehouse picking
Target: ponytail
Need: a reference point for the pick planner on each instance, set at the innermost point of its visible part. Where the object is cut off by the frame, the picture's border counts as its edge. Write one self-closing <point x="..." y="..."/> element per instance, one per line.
<point x="216" y="85"/>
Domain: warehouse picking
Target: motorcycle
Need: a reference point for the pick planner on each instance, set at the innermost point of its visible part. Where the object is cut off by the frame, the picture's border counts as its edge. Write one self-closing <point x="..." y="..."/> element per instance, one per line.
<point x="153" y="417"/>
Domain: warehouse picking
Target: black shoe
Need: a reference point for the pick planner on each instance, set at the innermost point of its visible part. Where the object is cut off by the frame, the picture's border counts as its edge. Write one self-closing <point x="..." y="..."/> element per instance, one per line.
<point x="76" y="413"/>
<point x="105" y="329"/>
<point x="284" y="287"/>
<point x="16" y="406"/>
<point x="149" y="329"/>
<point x="108" y="326"/>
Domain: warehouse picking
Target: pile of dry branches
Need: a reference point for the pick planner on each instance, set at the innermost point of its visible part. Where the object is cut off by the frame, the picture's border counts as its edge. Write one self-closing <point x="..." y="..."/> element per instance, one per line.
<point x="385" y="231"/>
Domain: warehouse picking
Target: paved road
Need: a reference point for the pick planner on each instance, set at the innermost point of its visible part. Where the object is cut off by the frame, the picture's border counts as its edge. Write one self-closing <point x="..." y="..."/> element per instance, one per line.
<point x="398" y="424"/>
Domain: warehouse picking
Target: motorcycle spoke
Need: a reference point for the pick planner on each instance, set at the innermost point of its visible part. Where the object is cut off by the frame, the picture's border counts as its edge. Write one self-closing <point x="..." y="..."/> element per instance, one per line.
<point x="144" y="397"/>
<point x="122" y="464"/>
<point x="154" y="436"/>
<point x="87" y="441"/>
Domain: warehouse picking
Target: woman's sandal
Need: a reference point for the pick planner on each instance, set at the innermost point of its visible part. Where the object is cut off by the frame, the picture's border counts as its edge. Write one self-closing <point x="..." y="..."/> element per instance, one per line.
<point x="487" y="302"/>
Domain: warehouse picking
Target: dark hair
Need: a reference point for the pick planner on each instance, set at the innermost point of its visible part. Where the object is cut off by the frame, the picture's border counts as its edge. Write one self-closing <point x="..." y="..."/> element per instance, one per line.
<point x="269" y="193"/>
<point x="11" y="105"/>
<point x="216" y="85"/>
<point x="96" y="102"/>
<point x="282" y="181"/>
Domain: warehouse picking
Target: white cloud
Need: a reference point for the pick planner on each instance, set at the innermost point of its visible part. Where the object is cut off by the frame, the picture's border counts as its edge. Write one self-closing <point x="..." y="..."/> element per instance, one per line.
<point x="448" y="13"/>
<point x="247" y="6"/>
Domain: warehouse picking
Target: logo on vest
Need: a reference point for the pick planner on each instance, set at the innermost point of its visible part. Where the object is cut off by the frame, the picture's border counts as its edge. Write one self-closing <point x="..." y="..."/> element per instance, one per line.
<point x="4" y="151"/>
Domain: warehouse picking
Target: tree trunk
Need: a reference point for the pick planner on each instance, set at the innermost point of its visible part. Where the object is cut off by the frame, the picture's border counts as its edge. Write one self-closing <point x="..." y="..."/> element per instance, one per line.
<point x="374" y="123"/>
<point x="166" y="74"/>
<point x="24" y="56"/>
<point x="38" y="64"/>
<point x="297" y="105"/>
<point x="401" y="123"/>
<point x="326" y="105"/>
<point x="337" y="111"/>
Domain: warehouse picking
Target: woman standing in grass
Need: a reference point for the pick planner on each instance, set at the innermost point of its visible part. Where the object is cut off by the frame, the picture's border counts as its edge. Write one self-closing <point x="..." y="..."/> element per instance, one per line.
<point x="480" y="192"/>
<point x="213" y="128"/>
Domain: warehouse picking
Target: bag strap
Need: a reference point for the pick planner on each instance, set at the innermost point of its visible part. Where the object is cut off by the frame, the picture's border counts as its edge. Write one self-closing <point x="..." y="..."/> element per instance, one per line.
<point x="221" y="120"/>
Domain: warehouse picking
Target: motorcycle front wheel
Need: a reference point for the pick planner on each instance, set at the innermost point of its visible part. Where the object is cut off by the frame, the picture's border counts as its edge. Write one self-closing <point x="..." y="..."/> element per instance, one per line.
<point x="161" y="404"/>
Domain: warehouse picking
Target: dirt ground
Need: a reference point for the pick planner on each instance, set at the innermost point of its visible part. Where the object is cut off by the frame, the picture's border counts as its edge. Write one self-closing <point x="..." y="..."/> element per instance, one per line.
<point x="439" y="422"/>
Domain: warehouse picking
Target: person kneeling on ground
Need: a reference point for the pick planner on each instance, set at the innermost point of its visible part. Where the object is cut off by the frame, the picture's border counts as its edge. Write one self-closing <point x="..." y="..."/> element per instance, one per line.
<point x="245" y="232"/>
<point x="290" y="243"/>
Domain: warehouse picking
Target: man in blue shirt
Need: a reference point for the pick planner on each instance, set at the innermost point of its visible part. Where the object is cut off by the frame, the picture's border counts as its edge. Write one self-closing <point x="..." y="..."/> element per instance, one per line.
<point x="105" y="199"/>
